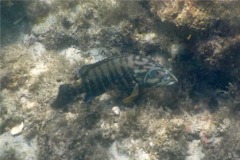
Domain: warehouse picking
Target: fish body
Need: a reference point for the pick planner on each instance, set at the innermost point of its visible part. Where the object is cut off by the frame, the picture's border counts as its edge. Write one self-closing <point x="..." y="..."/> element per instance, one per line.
<point x="125" y="72"/>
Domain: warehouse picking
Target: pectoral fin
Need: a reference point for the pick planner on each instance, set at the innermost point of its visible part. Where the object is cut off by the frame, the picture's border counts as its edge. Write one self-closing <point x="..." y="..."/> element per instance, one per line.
<point x="134" y="94"/>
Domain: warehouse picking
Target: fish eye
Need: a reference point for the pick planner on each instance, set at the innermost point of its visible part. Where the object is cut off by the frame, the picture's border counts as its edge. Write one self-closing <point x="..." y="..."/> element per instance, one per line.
<point x="155" y="73"/>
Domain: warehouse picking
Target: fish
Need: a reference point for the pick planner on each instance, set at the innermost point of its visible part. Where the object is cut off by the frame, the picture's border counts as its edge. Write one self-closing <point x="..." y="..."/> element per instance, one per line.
<point x="127" y="73"/>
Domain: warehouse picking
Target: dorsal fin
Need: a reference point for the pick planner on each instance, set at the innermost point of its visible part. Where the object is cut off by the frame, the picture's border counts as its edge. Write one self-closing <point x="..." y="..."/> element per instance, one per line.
<point x="85" y="68"/>
<point x="110" y="58"/>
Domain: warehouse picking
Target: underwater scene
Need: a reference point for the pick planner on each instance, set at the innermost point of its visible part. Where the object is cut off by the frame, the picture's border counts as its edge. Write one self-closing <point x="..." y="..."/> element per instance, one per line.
<point x="120" y="80"/>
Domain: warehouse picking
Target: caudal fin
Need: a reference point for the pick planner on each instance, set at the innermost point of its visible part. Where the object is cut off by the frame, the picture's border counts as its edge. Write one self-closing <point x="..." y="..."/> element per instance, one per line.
<point x="66" y="95"/>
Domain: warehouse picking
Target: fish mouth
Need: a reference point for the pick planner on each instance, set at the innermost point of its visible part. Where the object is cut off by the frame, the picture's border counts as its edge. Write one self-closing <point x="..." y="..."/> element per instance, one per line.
<point x="169" y="80"/>
<point x="173" y="79"/>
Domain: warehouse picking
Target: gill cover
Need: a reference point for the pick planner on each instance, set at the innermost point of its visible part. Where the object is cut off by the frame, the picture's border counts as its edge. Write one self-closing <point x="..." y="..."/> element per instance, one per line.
<point x="159" y="77"/>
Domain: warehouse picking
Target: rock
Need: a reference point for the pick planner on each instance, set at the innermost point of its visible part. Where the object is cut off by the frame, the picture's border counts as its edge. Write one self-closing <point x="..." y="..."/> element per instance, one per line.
<point x="17" y="146"/>
<point x="195" y="151"/>
<point x="17" y="129"/>
<point x="49" y="39"/>
<point x="104" y="97"/>
<point x="113" y="151"/>
<point x="116" y="110"/>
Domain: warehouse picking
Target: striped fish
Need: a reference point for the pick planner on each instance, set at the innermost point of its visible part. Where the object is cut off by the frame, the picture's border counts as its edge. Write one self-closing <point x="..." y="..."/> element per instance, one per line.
<point x="128" y="73"/>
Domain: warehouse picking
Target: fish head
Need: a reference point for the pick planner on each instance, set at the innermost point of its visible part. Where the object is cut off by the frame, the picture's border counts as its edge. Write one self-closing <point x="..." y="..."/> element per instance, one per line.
<point x="159" y="76"/>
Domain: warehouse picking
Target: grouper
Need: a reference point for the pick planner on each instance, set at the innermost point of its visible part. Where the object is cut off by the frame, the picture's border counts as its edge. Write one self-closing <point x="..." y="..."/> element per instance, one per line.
<point x="127" y="73"/>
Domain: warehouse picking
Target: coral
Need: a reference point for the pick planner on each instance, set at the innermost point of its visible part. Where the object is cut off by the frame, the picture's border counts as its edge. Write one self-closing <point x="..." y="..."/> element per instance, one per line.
<point x="13" y="21"/>
<point x="183" y="13"/>
<point x="74" y="22"/>
<point x="196" y="15"/>
<point x="162" y="138"/>
<point x="224" y="147"/>
<point x="9" y="155"/>
<point x="219" y="52"/>
<point x="37" y="10"/>
<point x="82" y="23"/>
<point x="17" y="148"/>
<point x="10" y="115"/>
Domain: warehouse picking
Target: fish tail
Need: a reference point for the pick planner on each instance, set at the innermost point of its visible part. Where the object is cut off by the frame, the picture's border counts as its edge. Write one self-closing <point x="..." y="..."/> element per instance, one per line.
<point x="66" y="94"/>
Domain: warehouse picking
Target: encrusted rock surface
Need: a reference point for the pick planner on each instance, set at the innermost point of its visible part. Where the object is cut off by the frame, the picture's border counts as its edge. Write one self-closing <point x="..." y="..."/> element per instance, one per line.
<point x="43" y="43"/>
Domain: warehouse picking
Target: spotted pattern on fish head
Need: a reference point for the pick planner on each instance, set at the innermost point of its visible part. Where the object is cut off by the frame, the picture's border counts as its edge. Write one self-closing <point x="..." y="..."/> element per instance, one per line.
<point x="149" y="73"/>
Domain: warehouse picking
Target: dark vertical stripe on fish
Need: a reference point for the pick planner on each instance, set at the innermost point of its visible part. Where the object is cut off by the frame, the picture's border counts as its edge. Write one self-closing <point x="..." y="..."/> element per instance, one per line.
<point x="86" y="86"/>
<point x="111" y="75"/>
<point x="127" y="76"/>
<point x="100" y="85"/>
<point x="122" y="60"/>
<point x="125" y="82"/>
<point x="105" y="76"/>
<point x="126" y="72"/>
<point x="117" y="74"/>
<point x="90" y="85"/>
<point x="92" y="82"/>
